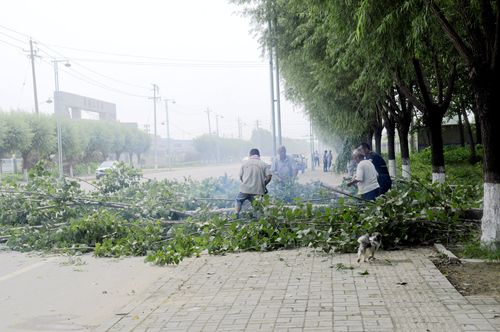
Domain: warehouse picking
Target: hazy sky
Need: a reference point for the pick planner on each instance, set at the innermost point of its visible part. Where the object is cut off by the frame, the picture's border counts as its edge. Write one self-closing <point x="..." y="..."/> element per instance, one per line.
<point x="199" y="52"/>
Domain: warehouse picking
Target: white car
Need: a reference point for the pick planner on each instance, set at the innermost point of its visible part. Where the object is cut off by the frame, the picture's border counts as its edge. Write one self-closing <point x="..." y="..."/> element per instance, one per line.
<point x="101" y="170"/>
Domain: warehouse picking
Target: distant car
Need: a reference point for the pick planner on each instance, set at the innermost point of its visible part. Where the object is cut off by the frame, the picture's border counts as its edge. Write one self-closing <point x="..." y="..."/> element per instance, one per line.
<point x="101" y="170"/>
<point x="300" y="161"/>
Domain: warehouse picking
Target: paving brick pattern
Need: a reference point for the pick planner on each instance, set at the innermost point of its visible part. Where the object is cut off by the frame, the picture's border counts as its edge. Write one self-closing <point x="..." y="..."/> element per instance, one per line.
<point x="305" y="290"/>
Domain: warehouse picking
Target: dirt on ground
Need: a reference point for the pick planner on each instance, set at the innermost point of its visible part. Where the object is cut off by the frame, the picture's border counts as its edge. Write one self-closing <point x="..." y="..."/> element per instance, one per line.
<point x="471" y="278"/>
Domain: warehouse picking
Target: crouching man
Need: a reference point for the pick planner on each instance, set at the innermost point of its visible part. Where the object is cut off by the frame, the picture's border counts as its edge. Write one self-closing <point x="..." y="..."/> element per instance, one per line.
<point x="254" y="175"/>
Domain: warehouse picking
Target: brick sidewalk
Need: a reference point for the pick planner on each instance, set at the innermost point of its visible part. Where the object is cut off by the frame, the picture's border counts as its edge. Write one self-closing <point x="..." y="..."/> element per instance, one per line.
<point x="304" y="290"/>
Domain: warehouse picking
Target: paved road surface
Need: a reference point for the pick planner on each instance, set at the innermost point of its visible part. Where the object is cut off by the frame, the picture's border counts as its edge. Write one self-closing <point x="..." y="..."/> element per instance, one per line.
<point x="61" y="293"/>
<point x="304" y="290"/>
<point x="231" y="170"/>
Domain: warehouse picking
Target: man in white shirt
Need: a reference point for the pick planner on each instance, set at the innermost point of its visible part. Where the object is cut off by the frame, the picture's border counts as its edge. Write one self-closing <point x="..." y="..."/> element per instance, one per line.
<point x="254" y="176"/>
<point x="365" y="177"/>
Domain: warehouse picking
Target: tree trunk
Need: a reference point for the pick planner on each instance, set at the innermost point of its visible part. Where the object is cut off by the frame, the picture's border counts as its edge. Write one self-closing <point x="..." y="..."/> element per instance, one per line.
<point x="26" y="165"/>
<point x="391" y="154"/>
<point x="405" y="152"/>
<point x="487" y="86"/>
<point x="434" y="120"/>
<point x="378" y="139"/>
<point x="479" y="139"/>
<point x="470" y="138"/>
<point x="369" y="137"/>
<point x="131" y="161"/>
<point x="461" y="129"/>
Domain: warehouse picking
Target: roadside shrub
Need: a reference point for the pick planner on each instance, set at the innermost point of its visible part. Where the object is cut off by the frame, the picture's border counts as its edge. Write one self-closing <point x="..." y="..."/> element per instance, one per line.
<point x="118" y="177"/>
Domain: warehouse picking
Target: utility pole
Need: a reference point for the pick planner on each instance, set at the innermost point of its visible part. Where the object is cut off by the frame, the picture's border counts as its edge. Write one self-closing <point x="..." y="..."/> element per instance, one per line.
<point x="155" y="138"/>
<point x="32" y="57"/>
<point x="58" y="113"/>
<point x="271" y="75"/>
<point x="209" y="126"/>
<point x="167" y="124"/>
<point x="240" y="128"/>
<point x="311" y="137"/>
<point x="217" y="117"/>
<point x="278" y="100"/>
<point x="257" y="124"/>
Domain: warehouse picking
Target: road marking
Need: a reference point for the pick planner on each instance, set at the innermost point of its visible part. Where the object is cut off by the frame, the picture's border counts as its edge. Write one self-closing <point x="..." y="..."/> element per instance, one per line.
<point x="25" y="269"/>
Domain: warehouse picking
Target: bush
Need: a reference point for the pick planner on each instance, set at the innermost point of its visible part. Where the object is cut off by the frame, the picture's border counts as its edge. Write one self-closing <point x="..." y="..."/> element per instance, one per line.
<point x="118" y="177"/>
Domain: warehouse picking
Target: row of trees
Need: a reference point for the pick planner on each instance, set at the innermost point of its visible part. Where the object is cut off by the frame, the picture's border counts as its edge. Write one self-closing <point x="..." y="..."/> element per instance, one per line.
<point x="34" y="137"/>
<point x="359" y="66"/>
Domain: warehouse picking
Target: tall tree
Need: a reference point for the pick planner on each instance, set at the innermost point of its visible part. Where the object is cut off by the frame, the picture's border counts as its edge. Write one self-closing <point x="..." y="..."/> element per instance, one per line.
<point x="473" y="28"/>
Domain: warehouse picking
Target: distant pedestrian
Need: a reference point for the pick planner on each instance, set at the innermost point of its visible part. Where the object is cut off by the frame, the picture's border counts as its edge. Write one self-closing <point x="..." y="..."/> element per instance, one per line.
<point x="316" y="158"/>
<point x="325" y="161"/>
<point x="329" y="158"/>
<point x="254" y="176"/>
<point x="365" y="177"/>
<point x="384" y="179"/>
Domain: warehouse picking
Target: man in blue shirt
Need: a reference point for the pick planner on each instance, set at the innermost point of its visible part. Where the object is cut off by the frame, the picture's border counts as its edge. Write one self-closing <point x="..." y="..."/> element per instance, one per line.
<point x="384" y="179"/>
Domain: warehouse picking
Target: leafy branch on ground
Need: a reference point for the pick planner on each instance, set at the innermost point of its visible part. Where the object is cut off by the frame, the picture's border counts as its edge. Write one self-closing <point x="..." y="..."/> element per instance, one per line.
<point x="127" y="216"/>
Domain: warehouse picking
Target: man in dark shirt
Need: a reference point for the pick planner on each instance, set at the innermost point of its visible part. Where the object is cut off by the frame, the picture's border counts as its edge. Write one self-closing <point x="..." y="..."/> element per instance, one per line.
<point x="384" y="179"/>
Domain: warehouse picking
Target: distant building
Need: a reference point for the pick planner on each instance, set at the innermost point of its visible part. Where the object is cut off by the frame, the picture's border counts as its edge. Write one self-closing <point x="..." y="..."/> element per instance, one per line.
<point x="453" y="134"/>
<point x="70" y="105"/>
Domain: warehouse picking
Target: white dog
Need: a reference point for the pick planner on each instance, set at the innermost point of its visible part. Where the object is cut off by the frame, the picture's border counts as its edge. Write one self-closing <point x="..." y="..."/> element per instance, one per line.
<point x="368" y="246"/>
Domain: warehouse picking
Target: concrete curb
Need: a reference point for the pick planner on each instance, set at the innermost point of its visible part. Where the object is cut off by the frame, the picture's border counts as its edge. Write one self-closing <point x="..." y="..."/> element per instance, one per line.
<point x="442" y="250"/>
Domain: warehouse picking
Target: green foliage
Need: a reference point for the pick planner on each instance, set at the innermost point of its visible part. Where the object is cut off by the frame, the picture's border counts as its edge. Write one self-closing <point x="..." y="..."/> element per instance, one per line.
<point x="33" y="137"/>
<point x="474" y="249"/>
<point x="43" y="200"/>
<point x="85" y="168"/>
<point x="118" y="177"/>
<point x="408" y="215"/>
<point x="104" y="233"/>
<point x="128" y="217"/>
<point x="458" y="168"/>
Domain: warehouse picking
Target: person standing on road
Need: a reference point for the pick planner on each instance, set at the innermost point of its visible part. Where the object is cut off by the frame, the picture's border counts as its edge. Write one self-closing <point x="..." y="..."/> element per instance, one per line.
<point x="325" y="161"/>
<point x="384" y="179"/>
<point x="254" y="176"/>
<point x="366" y="177"/>
<point x="284" y="167"/>
<point x="316" y="158"/>
<point x="329" y="158"/>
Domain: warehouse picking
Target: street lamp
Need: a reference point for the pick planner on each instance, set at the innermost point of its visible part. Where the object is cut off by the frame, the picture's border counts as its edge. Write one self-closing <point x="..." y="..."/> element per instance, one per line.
<point x="57" y="113"/>
<point x="167" y="125"/>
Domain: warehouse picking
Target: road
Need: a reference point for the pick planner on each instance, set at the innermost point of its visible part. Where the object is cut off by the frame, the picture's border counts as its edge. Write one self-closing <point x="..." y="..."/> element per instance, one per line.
<point x="232" y="170"/>
<point x="62" y="293"/>
<point x="196" y="173"/>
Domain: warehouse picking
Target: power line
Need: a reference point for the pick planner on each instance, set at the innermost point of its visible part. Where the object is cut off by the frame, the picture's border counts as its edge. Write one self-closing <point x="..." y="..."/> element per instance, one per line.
<point x="82" y="77"/>
<point x="10" y="44"/>
<point x="172" y="64"/>
<point x="12" y="30"/>
<point x="95" y="72"/>
<point x="155" y="58"/>
<point x="13" y="38"/>
<point x="91" y="70"/>
<point x="91" y="81"/>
